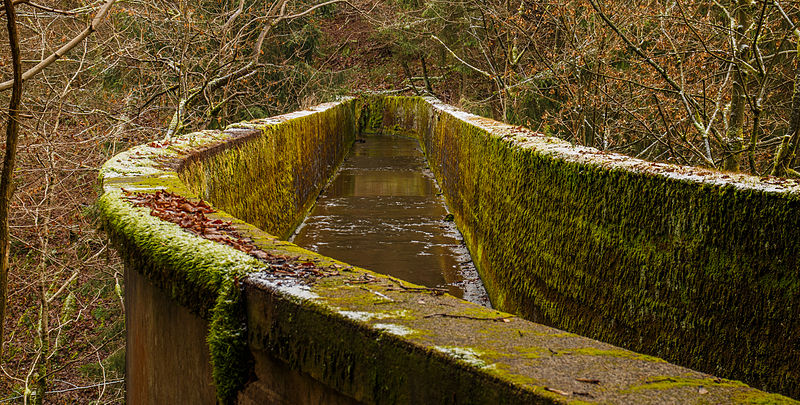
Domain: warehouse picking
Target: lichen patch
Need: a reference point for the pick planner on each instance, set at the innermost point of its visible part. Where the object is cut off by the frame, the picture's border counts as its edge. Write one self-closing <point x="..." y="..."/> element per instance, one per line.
<point x="465" y="354"/>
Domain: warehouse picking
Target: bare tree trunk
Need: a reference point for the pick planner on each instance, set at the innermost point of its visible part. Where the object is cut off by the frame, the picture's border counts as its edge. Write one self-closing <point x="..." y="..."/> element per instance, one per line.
<point x="43" y="336"/>
<point x="425" y="77"/>
<point x="42" y="367"/>
<point x="788" y="148"/>
<point x="754" y="134"/>
<point x="734" y="138"/>
<point x="10" y="158"/>
<point x="410" y="78"/>
<point x="735" y="134"/>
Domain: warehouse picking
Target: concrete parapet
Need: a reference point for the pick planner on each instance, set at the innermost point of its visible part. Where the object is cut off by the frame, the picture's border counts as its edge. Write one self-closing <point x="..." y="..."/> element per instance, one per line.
<point x="696" y="266"/>
<point x="286" y="325"/>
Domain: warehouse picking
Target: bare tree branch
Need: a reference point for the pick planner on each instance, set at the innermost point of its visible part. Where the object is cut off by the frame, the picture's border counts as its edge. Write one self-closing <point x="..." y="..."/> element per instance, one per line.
<point x="483" y="72"/>
<point x="15" y="2"/>
<point x="92" y="27"/>
<point x="176" y="123"/>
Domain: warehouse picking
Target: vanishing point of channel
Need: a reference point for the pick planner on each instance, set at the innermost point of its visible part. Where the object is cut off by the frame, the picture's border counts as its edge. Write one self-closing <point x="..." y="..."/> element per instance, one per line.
<point x="383" y="211"/>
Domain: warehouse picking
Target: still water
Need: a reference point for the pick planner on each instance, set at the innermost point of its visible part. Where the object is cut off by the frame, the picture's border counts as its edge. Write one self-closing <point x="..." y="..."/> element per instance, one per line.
<point x="383" y="211"/>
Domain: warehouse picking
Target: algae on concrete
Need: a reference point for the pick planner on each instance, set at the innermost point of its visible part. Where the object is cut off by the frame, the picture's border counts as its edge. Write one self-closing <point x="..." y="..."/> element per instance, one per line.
<point x="696" y="266"/>
<point x="318" y="326"/>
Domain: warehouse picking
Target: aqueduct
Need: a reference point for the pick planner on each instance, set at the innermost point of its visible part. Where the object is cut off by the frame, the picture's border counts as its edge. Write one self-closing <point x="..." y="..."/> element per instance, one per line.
<point x="696" y="267"/>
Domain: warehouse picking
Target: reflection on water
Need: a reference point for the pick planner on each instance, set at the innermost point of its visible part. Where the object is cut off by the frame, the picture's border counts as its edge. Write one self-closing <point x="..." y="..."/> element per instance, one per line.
<point x="383" y="212"/>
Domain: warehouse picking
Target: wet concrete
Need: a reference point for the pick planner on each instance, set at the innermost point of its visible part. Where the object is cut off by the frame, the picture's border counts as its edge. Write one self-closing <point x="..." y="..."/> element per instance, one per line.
<point x="383" y="211"/>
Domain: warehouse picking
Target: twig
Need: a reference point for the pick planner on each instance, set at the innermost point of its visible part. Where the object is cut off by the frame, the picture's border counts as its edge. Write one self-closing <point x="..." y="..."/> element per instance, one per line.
<point x="483" y="72"/>
<point x="436" y="291"/>
<point x="92" y="27"/>
<point x="103" y="384"/>
<point x="63" y="286"/>
<point x="499" y="319"/>
<point x="15" y="2"/>
<point x="50" y="9"/>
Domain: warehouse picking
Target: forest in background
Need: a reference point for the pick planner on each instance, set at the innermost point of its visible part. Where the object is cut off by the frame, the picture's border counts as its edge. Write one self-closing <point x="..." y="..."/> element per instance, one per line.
<point x="711" y="84"/>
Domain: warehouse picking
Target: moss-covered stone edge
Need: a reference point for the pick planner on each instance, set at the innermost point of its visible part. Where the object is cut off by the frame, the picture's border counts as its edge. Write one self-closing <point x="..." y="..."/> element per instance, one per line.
<point x="197" y="273"/>
<point x="526" y="203"/>
<point x="145" y="174"/>
<point x="271" y="176"/>
<point x="202" y="280"/>
<point x="363" y="338"/>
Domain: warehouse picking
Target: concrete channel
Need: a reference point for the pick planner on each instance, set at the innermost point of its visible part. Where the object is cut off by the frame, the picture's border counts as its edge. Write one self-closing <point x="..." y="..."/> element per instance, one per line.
<point x="614" y="280"/>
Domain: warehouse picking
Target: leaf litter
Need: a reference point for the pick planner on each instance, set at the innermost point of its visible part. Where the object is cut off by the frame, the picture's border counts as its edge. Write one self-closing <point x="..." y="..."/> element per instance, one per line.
<point x="191" y="216"/>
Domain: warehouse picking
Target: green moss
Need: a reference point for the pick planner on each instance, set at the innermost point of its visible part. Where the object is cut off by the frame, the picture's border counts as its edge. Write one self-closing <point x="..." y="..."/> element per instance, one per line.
<point x="530" y="352"/>
<point x="480" y="312"/>
<point x="158" y="246"/>
<point x="227" y="339"/>
<point x="670" y="382"/>
<point x="564" y="335"/>
<point x="273" y="179"/>
<point x="371" y="364"/>
<point x="694" y="267"/>
<point x="204" y="280"/>
<point x="370" y="114"/>
<point x="574" y="240"/>
<point x="764" y="398"/>
<point x="591" y="351"/>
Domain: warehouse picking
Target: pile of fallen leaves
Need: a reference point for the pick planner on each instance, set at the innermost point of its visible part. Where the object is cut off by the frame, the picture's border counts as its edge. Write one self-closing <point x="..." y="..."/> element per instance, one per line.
<point x="191" y="216"/>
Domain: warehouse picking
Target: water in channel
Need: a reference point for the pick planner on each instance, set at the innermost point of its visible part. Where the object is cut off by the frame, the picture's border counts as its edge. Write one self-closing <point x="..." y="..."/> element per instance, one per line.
<point x="383" y="211"/>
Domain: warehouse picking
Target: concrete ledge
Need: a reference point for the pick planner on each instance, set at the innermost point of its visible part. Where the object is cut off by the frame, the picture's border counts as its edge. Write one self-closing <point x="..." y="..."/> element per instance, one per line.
<point x="695" y="266"/>
<point x="346" y="335"/>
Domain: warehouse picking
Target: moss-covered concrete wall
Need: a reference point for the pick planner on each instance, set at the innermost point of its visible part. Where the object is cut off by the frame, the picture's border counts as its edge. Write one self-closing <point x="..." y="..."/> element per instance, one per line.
<point x="269" y="175"/>
<point x="287" y="320"/>
<point x="698" y="267"/>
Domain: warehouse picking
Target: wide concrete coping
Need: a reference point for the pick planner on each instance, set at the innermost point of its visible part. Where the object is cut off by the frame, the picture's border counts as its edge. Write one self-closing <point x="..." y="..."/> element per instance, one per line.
<point x="375" y="338"/>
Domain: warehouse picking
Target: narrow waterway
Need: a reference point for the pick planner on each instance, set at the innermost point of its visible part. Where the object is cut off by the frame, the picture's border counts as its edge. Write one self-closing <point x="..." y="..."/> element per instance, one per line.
<point x="383" y="211"/>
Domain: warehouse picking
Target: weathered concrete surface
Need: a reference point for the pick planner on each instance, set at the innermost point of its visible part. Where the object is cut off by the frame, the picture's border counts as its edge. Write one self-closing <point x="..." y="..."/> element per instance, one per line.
<point x="278" y="384"/>
<point x="168" y="363"/>
<point x="377" y="341"/>
<point x="369" y="337"/>
<point x="696" y="266"/>
<point x="268" y="172"/>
